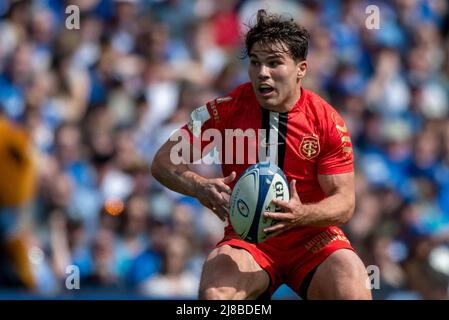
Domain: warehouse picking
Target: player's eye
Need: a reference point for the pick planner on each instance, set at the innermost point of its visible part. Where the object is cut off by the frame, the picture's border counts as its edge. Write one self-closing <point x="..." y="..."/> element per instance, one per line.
<point x="274" y="63"/>
<point x="254" y="63"/>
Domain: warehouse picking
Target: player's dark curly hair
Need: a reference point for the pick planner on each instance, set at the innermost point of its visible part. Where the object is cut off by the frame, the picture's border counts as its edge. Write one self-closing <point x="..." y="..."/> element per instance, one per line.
<point x="273" y="29"/>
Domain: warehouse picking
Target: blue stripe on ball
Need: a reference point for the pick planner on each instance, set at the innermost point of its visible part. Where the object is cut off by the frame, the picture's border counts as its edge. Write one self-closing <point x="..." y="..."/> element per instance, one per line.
<point x="265" y="179"/>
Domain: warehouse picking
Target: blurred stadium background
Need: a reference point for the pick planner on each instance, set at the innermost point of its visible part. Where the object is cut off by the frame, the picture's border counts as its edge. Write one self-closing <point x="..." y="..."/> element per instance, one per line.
<point x="83" y="112"/>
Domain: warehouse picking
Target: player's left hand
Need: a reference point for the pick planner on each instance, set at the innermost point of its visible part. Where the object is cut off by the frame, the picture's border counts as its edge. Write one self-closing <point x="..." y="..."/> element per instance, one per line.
<point x="291" y="216"/>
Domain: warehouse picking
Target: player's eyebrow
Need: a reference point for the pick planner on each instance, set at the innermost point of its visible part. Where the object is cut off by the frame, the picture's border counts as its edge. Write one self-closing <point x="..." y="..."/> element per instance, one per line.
<point x="269" y="56"/>
<point x="275" y="55"/>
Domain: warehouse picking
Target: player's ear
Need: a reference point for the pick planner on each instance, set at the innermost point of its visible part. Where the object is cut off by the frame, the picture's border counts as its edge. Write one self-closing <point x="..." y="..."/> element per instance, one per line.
<point x="301" y="69"/>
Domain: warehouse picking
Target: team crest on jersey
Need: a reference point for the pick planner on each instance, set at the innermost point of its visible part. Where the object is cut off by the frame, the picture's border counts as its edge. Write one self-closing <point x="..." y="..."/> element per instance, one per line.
<point x="309" y="147"/>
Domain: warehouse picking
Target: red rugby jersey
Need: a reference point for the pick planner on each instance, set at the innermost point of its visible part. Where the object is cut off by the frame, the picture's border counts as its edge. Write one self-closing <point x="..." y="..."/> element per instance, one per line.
<point x="309" y="140"/>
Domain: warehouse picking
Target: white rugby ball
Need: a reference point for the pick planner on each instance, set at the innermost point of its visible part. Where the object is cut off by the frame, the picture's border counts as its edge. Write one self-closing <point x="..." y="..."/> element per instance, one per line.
<point x="252" y="196"/>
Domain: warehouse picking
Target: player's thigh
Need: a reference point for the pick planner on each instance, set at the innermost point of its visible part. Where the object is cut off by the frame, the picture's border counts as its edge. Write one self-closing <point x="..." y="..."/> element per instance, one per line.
<point x="341" y="276"/>
<point x="232" y="273"/>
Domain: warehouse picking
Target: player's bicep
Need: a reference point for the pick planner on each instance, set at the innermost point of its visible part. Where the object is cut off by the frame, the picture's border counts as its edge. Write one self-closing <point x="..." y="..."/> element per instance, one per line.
<point x="342" y="183"/>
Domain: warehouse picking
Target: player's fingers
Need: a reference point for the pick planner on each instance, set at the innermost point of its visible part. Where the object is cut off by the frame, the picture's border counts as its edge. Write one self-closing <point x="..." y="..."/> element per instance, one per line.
<point x="222" y="187"/>
<point x="219" y="199"/>
<point x="223" y="202"/>
<point x="278" y="216"/>
<point x="230" y="178"/>
<point x="274" y="234"/>
<point x="224" y="210"/>
<point x="281" y="203"/>
<point x="293" y="192"/>
<point x="278" y="227"/>
<point x="219" y="204"/>
<point x="225" y="198"/>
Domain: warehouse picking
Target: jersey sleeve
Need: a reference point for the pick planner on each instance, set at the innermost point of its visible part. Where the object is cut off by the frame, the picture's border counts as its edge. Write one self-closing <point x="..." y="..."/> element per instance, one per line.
<point x="212" y="115"/>
<point x="337" y="153"/>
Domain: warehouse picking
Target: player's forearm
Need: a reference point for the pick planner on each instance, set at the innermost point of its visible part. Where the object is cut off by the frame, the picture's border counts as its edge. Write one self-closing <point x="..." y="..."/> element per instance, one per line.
<point x="178" y="178"/>
<point x="335" y="210"/>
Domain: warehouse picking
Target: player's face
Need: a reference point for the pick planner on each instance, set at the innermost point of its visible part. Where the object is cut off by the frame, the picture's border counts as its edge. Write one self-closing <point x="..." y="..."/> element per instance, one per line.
<point x="276" y="77"/>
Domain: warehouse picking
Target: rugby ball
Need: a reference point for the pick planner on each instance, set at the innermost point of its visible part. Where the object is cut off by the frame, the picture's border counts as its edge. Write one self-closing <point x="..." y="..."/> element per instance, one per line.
<point x="251" y="197"/>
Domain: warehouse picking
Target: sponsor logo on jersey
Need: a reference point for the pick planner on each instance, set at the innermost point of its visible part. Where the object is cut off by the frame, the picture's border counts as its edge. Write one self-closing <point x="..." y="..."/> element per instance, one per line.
<point x="265" y="144"/>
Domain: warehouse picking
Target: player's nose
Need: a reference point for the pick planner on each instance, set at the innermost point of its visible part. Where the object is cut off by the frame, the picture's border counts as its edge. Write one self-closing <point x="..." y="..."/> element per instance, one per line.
<point x="263" y="72"/>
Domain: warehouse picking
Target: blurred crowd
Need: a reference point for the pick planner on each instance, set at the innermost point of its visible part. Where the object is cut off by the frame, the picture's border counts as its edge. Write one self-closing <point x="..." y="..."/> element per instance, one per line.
<point x="83" y="111"/>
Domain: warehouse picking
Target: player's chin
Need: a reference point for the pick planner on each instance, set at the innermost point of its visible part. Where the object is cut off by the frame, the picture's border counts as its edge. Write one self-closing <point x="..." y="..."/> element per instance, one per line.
<point x="267" y="102"/>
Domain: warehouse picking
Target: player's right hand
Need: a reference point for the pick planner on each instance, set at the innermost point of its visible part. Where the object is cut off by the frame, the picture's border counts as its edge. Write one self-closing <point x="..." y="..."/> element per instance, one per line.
<point x="215" y="194"/>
